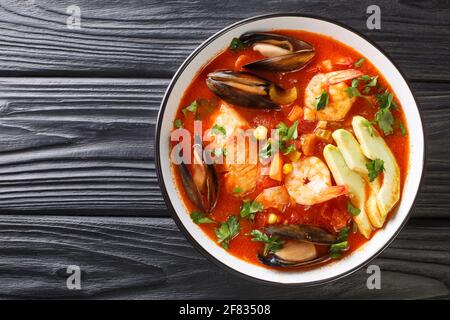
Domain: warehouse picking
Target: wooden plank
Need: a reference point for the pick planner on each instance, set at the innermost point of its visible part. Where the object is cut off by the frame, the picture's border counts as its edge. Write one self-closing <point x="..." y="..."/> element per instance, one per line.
<point x="151" y="39"/>
<point x="86" y="146"/>
<point x="149" y="258"/>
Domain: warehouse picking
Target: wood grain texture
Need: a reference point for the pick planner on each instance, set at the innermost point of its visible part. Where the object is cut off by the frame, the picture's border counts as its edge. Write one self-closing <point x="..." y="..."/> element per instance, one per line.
<point x="149" y="258"/>
<point x="152" y="38"/>
<point x="86" y="146"/>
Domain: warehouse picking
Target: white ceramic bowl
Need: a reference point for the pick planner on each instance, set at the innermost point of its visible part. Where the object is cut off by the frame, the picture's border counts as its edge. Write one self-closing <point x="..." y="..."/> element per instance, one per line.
<point x="209" y="49"/>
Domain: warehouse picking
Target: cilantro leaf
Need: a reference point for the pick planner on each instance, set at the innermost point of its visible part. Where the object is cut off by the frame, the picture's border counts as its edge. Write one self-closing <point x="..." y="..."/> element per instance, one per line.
<point x="289" y="149"/>
<point x="402" y="129"/>
<point x="385" y="120"/>
<point x="292" y="132"/>
<point x="178" y="123"/>
<point x="271" y="243"/>
<point x="375" y="167"/>
<point x="227" y="231"/>
<point x="266" y="150"/>
<point x="282" y="129"/>
<point x="237" y="190"/>
<point x="337" y="248"/>
<point x="353" y="92"/>
<point x="385" y="99"/>
<point x="249" y="208"/>
<point x="369" y="127"/>
<point x="217" y="129"/>
<point x="199" y="217"/>
<point x="321" y="101"/>
<point x="191" y="108"/>
<point x="236" y="45"/>
<point x="358" y="63"/>
<point x="353" y="210"/>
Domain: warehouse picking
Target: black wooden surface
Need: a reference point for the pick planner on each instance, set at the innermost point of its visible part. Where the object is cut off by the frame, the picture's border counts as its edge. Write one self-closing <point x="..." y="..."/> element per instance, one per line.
<point x="77" y="119"/>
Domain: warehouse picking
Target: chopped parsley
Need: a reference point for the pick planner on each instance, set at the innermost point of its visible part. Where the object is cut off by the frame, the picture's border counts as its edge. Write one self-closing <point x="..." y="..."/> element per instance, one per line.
<point x="266" y="150"/>
<point x="178" y="123"/>
<point x="249" y="208"/>
<point x="369" y="127"/>
<point x="353" y="91"/>
<point x="236" y="45"/>
<point x="217" y="129"/>
<point x="353" y="210"/>
<point x="286" y="134"/>
<point x="199" y="217"/>
<point x="402" y="129"/>
<point x="237" y="190"/>
<point x="271" y="243"/>
<point x="384" y="117"/>
<point x="321" y="101"/>
<point x="191" y="108"/>
<point x="227" y="231"/>
<point x="375" y="167"/>
<point x="358" y="63"/>
<point x="337" y="248"/>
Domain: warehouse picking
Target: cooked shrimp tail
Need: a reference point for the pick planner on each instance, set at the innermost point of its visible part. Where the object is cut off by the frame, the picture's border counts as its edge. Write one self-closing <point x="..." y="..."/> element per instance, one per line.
<point x="331" y="193"/>
<point x="343" y="75"/>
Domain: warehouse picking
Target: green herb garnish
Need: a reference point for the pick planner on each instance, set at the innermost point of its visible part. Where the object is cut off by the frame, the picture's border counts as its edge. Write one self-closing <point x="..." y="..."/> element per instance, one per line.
<point x="337" y="248"/>
<point x="358" y="63"/>
<point x="289" y="149"/>
<point x="178" y="123"/>
<point x="227" y="231"/>
<point x="375" y="167"/>
<point x="286" y="134"/>
<point x="199" y="217"/>
<point x="384" y="117"/>
<point x="191" y="108"/>
<point x="353" y="210"/>
<point x="321" y="101"/>
<point x="271" y="243"/>
<point x="385" y="120"/>
<point x="402" y="129"/>
<point x="249" y="208"/>
<point x="292" y="132"/>
<point x="236" y="45"/>
<point x="266" y="151"/>
<point x="353" y="92"/>
<point x="237" y="190"/>
<point x="369" y="127"/>
<point x="217" y="129"/>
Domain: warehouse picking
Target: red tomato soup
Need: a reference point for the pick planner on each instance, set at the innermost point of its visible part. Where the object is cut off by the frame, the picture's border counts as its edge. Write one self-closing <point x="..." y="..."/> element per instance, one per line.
<point x="278" y="228"/>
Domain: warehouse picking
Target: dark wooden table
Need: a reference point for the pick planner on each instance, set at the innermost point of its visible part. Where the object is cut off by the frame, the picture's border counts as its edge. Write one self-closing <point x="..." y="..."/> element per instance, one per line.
<point x="77" y="177"/>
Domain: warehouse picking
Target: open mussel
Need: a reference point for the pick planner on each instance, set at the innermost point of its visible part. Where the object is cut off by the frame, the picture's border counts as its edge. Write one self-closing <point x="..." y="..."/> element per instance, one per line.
<point x="248" y="90"/>
<point x="283" y="53"/>
<point x="202" y="186"/>
<point x="299" y="248"/>
<point x="294" y="254"/>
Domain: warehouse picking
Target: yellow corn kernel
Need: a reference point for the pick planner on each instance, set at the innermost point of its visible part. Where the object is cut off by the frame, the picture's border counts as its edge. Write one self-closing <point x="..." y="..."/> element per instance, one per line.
<point x="287" y="168"/>
<point x="273" y="218"/>
<point x="294" y="155"/>
<point x="260" y="133"/>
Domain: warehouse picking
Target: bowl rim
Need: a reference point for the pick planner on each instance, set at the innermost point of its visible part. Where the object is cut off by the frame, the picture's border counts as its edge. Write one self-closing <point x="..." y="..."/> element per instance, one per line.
<point x="162" y="184"/>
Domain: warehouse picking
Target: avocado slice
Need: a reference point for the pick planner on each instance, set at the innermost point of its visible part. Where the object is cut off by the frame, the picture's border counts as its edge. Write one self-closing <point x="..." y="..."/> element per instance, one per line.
<point x="343" y="175"/>
<point x="356" y="161"/>
<point x="374" y="147"/>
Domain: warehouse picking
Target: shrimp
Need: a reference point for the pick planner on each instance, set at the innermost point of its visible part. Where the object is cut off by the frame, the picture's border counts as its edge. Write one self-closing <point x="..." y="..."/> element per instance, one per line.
<point x="339" y="102"/>
<point x="275" y="197"/>
<point x="310" y="182"/>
